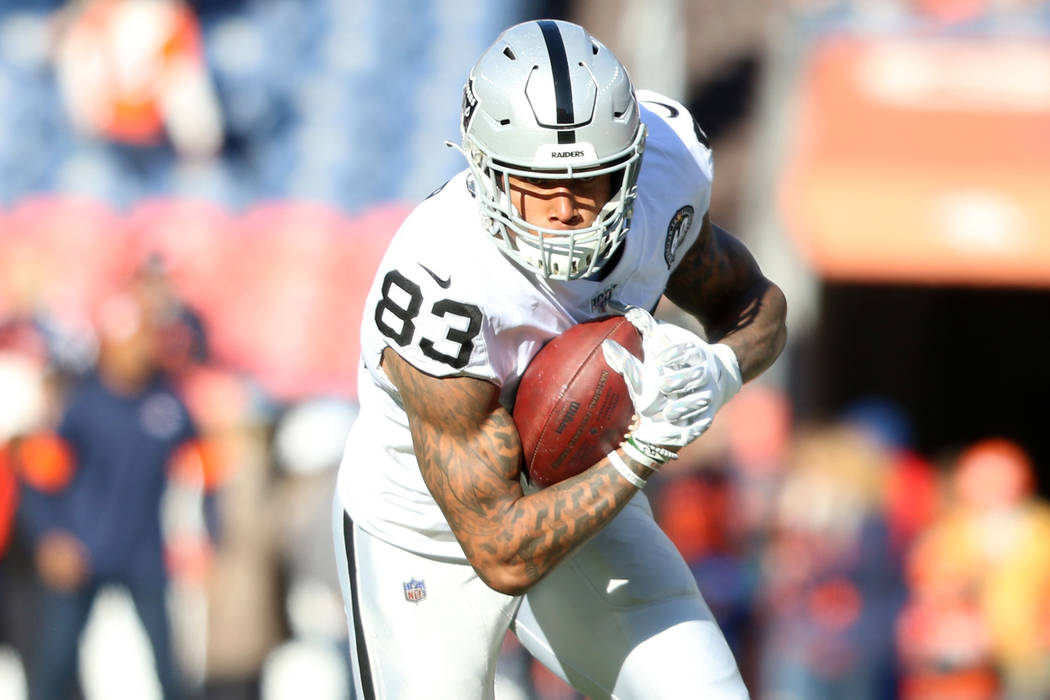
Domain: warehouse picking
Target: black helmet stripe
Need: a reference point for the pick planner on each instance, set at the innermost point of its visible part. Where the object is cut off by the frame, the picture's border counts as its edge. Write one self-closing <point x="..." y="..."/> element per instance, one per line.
<point x="562" y="82"/>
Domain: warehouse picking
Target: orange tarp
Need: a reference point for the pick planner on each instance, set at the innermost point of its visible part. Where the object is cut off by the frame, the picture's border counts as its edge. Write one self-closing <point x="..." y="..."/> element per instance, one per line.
<point x="923" y="161"/>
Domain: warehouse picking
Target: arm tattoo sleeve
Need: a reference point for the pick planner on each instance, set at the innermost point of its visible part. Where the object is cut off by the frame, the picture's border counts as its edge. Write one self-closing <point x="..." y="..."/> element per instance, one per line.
<point x="469" y="454"/>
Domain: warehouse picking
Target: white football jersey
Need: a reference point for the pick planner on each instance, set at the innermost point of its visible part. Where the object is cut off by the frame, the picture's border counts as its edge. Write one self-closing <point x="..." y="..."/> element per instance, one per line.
<point x="448" y="301"/>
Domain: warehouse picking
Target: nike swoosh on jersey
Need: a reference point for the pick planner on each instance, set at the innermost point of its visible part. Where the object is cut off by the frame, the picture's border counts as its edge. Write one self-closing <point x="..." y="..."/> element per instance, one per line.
<point x="443" y="283"/>
<point x="672" y="111"/>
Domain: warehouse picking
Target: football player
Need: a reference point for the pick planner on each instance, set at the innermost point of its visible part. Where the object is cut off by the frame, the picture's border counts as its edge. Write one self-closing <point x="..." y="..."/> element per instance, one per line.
<point x="558" y="218"/>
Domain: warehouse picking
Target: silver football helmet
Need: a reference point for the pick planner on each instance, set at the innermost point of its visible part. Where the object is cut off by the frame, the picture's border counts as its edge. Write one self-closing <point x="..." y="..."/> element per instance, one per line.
<point x="549" y="101"/>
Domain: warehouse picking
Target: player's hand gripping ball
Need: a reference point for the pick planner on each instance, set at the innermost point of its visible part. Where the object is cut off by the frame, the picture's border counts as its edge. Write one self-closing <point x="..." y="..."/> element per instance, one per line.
<point x="572" y="409"/>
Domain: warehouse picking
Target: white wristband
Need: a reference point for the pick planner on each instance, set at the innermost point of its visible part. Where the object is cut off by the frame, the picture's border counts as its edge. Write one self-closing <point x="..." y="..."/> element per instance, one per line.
<point x="733" y="380"/>
<point x="655" y="460"/>
<point x="625" y="471"/>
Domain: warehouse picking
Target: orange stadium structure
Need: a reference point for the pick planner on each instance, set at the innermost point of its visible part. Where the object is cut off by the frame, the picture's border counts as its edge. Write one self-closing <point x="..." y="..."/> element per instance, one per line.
<point x="922" y="160"/>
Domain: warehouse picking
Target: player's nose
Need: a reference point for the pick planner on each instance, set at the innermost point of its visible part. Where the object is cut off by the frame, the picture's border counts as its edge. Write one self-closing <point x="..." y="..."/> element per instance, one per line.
<point x="563" y="206"/>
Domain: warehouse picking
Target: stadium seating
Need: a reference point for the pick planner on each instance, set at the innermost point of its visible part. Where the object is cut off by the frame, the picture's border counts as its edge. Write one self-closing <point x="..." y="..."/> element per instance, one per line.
<point x="334" y="115"/>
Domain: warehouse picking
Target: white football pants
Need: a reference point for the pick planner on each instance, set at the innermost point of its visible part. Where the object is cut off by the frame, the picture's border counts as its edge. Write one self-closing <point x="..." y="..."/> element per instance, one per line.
<point x="621" y="618"/>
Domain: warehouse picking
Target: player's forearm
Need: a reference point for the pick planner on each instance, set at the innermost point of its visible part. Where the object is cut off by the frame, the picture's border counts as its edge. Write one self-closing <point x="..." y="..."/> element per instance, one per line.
<point x="544" y="527"/>
<point x="469" y="455"/>
<point x="754" y="328"/>
<point x="511" y="539"/>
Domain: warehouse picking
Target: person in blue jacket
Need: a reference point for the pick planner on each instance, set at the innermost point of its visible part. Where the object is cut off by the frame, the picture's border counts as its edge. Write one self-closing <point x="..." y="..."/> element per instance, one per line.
<point x="122" y="424"/>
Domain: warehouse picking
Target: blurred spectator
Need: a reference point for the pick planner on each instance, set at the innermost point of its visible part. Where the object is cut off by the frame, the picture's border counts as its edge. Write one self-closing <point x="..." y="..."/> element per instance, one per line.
<point x="133" y="72"/>
<point x="987" y="555"/>
<point x="8" y="503"/>
<point x="830" y="582"/>
<point x="758" y="426"/>
<point x="22" y="410"/>
<point x="942" y="638"/>
<point x="308" y="443"/>
<point x="91" y="506"/>
<point x="913" y="492"/>
<point x="243" y="586"/>
<point x="180" y="333"/>
<point x="29" y="387"/>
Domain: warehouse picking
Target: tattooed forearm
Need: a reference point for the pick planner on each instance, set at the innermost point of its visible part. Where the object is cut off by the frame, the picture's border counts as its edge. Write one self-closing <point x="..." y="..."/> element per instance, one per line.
<point x="550" y="524"/>
<point x="720" y="283"/>
<point x="470" y="456"/>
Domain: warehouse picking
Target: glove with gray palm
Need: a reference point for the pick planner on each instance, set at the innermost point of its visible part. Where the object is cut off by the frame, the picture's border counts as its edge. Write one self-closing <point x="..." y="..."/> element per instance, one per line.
<point x="676" y="390"/>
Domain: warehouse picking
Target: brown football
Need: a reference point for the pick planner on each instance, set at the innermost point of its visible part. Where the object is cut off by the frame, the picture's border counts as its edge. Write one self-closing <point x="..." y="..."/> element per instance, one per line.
<point x="571" y="408"/>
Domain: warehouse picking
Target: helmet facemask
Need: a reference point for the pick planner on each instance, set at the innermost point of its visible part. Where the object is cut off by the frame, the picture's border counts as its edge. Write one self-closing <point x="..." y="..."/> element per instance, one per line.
<point x="559" y="254"/>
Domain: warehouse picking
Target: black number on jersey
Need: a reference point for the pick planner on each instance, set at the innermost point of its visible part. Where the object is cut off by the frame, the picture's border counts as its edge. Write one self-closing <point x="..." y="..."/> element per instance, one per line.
<point x="405" y="314"/>
<point x="465" y="337"/>
<point x="406" y="311"/>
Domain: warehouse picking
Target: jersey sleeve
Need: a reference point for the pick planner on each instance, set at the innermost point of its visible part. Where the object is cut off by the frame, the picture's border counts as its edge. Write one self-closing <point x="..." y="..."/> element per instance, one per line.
<point x="682" y="172"/>
<point x="684" y="125"/>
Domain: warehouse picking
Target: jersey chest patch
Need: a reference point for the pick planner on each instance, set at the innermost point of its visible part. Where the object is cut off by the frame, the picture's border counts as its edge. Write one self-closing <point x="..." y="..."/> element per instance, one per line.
<point x="676" y="230"/>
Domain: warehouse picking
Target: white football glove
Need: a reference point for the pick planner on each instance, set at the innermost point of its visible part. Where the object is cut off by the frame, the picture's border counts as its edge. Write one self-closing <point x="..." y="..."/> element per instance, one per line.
<point x="676" y="390"/>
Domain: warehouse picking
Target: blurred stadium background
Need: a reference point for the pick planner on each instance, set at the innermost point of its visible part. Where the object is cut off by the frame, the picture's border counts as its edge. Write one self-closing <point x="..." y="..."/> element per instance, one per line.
<point x="868" y="520"/>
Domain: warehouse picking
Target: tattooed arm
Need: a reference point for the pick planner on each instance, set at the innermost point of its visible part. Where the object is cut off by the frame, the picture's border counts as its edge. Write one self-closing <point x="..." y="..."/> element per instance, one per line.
<point x="720" y="283"/>
<point x="470" y="456"/>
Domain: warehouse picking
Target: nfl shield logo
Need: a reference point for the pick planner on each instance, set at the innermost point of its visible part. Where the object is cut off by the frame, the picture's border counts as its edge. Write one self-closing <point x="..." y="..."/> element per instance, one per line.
<point x="415" y="591"/>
